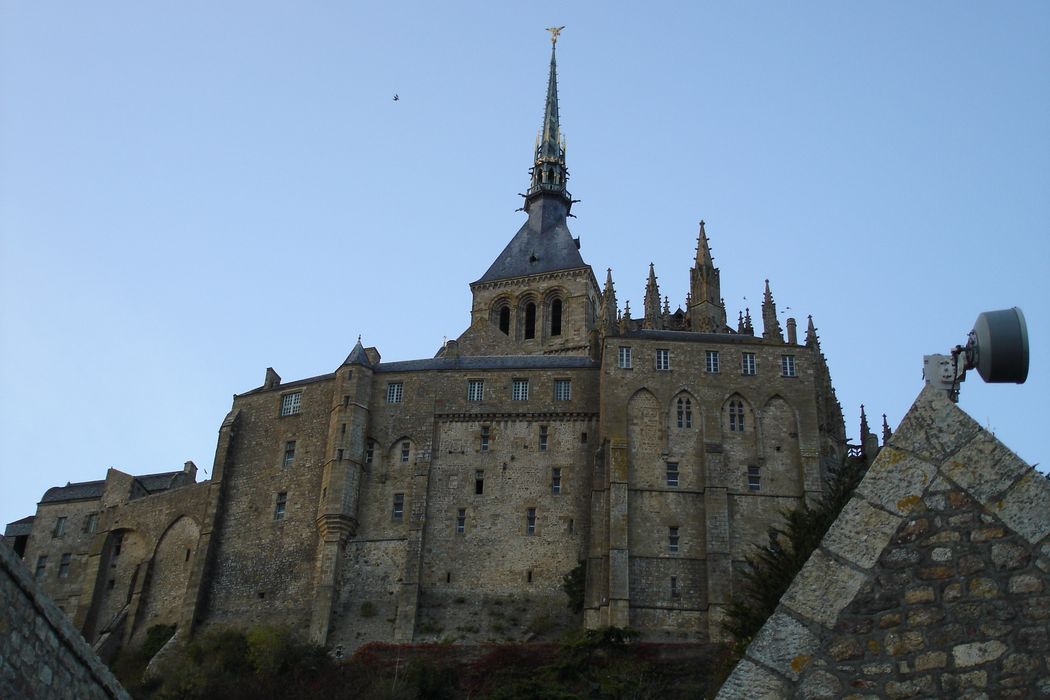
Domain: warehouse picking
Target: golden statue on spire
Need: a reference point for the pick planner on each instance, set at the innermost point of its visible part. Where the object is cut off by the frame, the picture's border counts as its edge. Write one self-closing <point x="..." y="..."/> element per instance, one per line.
<point x="555" y="31"/>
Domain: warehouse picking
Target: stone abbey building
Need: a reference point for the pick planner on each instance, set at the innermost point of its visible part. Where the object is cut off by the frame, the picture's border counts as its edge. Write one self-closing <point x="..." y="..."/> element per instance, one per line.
<point x="446" y="498"/>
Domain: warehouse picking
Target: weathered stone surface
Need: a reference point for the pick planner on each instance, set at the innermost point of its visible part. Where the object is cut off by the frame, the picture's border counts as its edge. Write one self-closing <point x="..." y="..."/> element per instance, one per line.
<point x="976" y="653"/>
<point x="931" y="660"/>
<point x="784" y="644"/>
<point x="910" y="688"/>
<point x="822" y="589"/>
<point x="845" y="648"/>
<point x="1025" y="507"/>
<point x="920" y="594"/>
<point x="748" y="680"/>
<point x="861" y="533"/>
<point x="819" y="685"/>
<point x="896" y="481"/>
<point x="898" y="643"/>
<point x="934" y="428"/>
<point x="985" y="467"/>
<point x="1025" y="583"/>
<point x="41" y="654"/>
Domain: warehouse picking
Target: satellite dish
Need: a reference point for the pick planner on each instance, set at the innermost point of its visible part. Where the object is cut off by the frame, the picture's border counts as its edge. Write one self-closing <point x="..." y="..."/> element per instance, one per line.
<point x="998" y="346"/>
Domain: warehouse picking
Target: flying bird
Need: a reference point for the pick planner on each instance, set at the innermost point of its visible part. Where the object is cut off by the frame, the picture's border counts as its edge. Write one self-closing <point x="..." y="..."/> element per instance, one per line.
<point x="396" y="98"/>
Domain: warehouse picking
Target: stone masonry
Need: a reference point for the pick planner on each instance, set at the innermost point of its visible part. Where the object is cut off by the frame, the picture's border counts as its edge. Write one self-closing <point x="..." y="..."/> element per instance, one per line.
<point x="933" y="581"/>
<point x="41" y="654"/>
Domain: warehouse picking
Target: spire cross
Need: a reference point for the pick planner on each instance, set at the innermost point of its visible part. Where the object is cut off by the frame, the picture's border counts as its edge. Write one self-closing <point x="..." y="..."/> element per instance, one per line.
<point x="555" y="31"/>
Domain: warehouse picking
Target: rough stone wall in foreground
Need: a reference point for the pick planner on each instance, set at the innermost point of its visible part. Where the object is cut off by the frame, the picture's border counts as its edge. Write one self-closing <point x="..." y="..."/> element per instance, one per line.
<point x="41" y="654"/>
<point x="933" y="581"/>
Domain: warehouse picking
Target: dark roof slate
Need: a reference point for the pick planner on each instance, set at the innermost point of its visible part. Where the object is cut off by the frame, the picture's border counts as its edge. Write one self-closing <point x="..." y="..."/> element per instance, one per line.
<point x="502" y="362"/>
<point x="542" y="244"/>
<point x="74" y="492"/>
<point x="20" y="527"/>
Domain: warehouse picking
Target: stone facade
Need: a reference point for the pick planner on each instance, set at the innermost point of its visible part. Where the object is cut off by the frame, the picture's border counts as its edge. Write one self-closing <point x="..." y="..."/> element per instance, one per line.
<point x="933" y="581"/>
<point x="446" y="498"/>
<point x="41" y="654"/>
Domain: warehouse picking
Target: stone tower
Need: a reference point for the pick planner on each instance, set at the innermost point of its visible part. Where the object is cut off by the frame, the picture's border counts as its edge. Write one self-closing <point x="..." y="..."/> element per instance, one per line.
<point x="539" y="296"/>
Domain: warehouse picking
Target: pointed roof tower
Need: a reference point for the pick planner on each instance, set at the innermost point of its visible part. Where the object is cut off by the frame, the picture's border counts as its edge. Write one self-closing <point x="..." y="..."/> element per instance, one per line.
<point x="358" y="356"/>
<point x="610" y="315"/>
<point x="706" y="310"/>
<point x="652" y="301"/>
<point x="544" y="243"/>
<point x="770" y="324"/>
<point x="812" y="339"/>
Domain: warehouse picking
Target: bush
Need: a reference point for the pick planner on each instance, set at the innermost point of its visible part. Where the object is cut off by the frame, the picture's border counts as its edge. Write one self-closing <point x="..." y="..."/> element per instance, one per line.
<point x="574" y="583"/>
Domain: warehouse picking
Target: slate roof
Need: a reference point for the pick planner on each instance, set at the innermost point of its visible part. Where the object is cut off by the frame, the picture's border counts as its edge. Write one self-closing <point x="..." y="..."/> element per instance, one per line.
<point x="20" y="527"/>
<point x="502" y="362"/>
<point x="74" y="492"/>
<point x="153" y="483"/>
<point x="542" y="244"/>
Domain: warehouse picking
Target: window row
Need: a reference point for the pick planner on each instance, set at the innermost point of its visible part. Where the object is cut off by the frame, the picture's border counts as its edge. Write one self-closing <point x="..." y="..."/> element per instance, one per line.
<point x="63" y="565"/>
<point x="542" y="441"/>
<point x="479" y="481"/>
<point x="684" y="414"/>
<point x="712" y="361"/>
<point x="89" y="526"/>
<point x="527" y="317"/>
<point x="754" y="476"/>
<point x="519" y="391"/>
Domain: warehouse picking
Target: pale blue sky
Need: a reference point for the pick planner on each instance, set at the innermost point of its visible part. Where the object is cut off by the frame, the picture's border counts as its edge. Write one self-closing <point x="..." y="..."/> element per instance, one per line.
<point x="191" y="192"/>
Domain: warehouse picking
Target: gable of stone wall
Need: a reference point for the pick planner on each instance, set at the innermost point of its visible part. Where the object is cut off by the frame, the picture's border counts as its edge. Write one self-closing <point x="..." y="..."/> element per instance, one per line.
<point x="933" y="581"/>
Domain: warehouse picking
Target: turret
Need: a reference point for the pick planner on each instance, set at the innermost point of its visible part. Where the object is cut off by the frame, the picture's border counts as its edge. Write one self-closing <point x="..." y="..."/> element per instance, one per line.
<point x="608" y="319"/>
<point x="652" y="302"/>
<point x="706" y="311"/>
<point x="770" y="324"/>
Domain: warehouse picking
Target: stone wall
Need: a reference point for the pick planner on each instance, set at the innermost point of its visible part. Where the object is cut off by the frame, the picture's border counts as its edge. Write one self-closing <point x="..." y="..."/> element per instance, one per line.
<point x="933" y="581"/>
<point x="41" y="654"/>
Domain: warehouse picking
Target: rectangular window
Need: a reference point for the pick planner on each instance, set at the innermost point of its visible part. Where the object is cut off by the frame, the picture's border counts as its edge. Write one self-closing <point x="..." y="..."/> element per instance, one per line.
<point x="556" y="480"/>
<point x="280" y="505"/>
<point x="663" y="359"/>
<point x="624" y="357"/>
<point x="754" y="479"/>
<point x="479" y="482"/>
<point x="672" y="474"/>
<point x="395" y="392"/>
<point x="60" y="527"/>
<point x="289" y="454"/>
<point x="475" y="389"/>
<point x="41" y="565"/>
<point x="672" y="540"/>
<point x="520" y="390"/>
<point x="370" y="452"/>
<point x="562" y="389"/>
<point x="530" y="521"/>
<point x="674" y="587"/>
<point x="63" y="565"/>
<point x="747" y="363"/>
<point x="484" y="438"/>
<point x="406" y="446"/>
<point x="291" y="403"/>
<point x="711" y="364"/>
<point x="543" y="438"/>
<point x="787" y="365"/>
<point x="399" y="506"/>
<point x="461" y="521"/>
<point x="91" y="524"/>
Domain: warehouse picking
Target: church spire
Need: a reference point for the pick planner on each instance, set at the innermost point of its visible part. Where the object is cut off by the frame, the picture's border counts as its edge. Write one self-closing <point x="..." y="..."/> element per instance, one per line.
<point x="770" y="324"/>
<point x="549" y="174"/>
<point x="652" y="301"/>
<point x="706" y="310"/>
<point x="609" y="314"/>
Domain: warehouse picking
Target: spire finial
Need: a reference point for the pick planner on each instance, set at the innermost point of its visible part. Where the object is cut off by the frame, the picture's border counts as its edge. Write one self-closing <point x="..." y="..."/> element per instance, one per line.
<point x="549" y="173"/>
<point x="555" y="31"/>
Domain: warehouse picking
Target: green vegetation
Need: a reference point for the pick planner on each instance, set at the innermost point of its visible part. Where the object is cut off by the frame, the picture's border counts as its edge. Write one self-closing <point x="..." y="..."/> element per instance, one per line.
<point x="574" y="583"/>
<point x="266" y="662"/>
<point x="771" y="568"/>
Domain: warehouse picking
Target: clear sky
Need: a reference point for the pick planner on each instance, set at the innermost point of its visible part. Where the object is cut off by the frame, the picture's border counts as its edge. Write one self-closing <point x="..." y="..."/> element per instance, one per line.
<point x="191" y="192"/>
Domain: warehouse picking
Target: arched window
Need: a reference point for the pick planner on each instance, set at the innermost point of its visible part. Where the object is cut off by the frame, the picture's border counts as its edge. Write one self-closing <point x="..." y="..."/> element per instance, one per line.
<point x="504" y="320"/>
<point x="530" y="321"/>
<point x="556" y="317"/>
<point x="685" y="413"/>
<point x="736" y="416"/>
